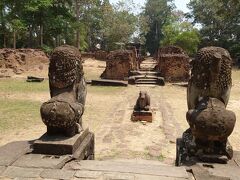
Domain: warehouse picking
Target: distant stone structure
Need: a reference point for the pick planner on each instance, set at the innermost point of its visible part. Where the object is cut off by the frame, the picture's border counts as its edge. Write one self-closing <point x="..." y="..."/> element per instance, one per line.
<point x="18" y="61"/>
<point x="101" y="55"/>
<point x="119" y="63"/>
<point x="173" y="64"/>
<point x="62" y="114"/>
<point x="207" y="96"/>
<point x="142" y="110"/>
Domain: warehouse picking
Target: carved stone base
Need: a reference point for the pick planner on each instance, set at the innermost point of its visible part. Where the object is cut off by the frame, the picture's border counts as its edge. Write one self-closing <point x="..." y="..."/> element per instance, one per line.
<point x="81" y="146"/>
<point x="142" y="116"/>
<point x="189" y="152"/>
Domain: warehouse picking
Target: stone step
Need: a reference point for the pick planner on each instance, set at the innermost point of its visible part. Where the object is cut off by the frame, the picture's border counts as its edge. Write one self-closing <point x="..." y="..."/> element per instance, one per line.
<point x="147" y="85"/>
<point x="151" y="68"/>
<point x="150" y="82"/>
<point x="162" y="171"/>
<point x="145" y="77"/>
<point x="135" y="73"/>
<point x="146" y="80"/>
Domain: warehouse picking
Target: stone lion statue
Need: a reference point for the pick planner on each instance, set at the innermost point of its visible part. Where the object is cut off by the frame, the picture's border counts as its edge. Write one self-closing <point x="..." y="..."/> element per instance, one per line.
<point x="62" y="113"/>
<point x="143" y="102"/>
<point x="207" y="97"/>
<point x="211" y="76"/>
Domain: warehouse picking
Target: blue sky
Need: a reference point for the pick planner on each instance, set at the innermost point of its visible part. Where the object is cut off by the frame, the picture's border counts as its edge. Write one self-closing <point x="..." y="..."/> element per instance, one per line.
<point x="180" y="4"/>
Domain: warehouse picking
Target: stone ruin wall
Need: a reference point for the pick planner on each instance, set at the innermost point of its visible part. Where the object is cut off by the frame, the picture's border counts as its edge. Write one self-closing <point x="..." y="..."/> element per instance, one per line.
<point x="119" y="63"/>
<point x="18" y="61"/>
<point x="101" y="55"/>
<point x="173" y="64"/>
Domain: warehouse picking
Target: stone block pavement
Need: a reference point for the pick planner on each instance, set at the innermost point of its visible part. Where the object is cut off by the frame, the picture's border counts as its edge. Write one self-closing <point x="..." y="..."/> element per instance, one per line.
<point x="17" y="162"/>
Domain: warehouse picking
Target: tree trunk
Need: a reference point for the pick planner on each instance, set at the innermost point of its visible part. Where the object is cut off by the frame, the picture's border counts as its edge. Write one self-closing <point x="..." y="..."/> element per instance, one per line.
<point x="41" y="35"/>
<point x="77" y="11"/>
<point x="14" y="39"/>
<point x="30" y="38"/>
<point x="4" y="41"/>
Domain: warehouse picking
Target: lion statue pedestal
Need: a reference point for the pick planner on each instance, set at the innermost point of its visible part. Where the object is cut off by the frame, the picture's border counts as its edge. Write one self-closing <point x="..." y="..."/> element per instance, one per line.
<point x="62" y="114"/>
<point x="142" y="110"/>
<point x="210" y="122"/>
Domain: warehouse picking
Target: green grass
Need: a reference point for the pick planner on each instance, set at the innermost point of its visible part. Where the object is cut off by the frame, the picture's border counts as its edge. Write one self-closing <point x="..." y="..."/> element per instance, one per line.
<point x="21" y="86"/>
<point x="18" y="114"/>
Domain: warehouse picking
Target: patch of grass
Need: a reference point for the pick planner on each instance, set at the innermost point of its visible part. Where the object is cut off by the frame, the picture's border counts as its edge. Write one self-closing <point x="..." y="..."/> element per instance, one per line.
<point x="15" y="85"/>
<point x="18" y="114"/>
<point x="161" y="157"/>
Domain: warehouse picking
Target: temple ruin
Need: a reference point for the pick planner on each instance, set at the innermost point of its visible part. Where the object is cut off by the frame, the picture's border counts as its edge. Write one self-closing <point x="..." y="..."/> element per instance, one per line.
<point x="173" y="64"/>
<point x="119" y="63"/>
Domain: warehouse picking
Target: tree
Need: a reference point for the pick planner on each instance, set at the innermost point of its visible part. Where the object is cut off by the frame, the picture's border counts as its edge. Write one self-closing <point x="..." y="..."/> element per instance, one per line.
<point x="181" y="33"/>
<point x="119" y="24"/>
<point x="50" y="23"/>
<point x="157" y="12"/>
<point x="220" y="21"/>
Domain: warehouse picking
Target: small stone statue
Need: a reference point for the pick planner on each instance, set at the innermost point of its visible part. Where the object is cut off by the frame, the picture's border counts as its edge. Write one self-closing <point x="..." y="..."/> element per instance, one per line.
<point x="207" y="96"/>
<point x="62" y="113"/>
<point x="143" y="102"/>
<point x="142" y="110"/>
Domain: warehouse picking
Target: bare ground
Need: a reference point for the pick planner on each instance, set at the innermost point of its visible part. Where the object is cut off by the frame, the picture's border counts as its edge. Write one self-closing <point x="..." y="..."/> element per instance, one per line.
<point x="108" y="112"/>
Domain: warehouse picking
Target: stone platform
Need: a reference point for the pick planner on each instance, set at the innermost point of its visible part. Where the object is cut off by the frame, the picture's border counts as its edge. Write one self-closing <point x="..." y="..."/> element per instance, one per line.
<point x="59" y="144"/>
<point x="142" y="116"/>
<point x="17" y="162"/>
<point x="108" y="82"/>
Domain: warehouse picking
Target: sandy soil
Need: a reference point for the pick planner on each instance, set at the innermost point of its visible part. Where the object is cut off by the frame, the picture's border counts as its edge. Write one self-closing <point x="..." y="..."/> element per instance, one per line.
<point x="108" y="115"/>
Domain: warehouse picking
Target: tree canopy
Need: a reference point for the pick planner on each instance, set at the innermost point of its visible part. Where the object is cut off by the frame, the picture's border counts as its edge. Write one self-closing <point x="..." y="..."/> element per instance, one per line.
<point x="49" y="23"/>
<point x="220" y="22"/>
<point x="86" y="23"/>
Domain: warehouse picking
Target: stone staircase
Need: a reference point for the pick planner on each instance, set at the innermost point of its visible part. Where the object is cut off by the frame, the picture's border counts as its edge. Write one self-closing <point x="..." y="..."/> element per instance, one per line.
<point x="147" y="75"/>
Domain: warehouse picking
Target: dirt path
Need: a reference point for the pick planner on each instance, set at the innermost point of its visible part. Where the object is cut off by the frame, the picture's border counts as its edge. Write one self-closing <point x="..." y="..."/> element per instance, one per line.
<point x="108" y="114"/>
<point x="119" y="137"/>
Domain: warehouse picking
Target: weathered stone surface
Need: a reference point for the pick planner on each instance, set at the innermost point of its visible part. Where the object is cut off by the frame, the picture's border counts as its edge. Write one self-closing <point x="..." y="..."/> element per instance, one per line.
<point x="137" y="161"/>
<point x="19" y="172"/>
<point x="143" y="102"/>
<point x="18" y="61"/>
<point x="223" y="171"/>
<point x="86" y="150"/>
<point x="119" y="63"/>
<point x="121" y="167"/>
<point x="57" y="174"/>
<point x="142" y="110"/>
<point x="142" y="116"/>
<point x="2" y="169"/>
<point x="149" y="177"/>
<point x="89" y="174"/>
<point x="173" y="64"/>
<point x="101" y="55"/>
<point x="42" y="161"/>
<point x="62" y="113"/>
<point x="201" y="173"/>
<point x="9" y="153"/>
<point x="210" y="76"/>
<point x="106" y="82"/>
<point x="119" y="176"/>
<point x="59" y="145"/>
<point x="210" y="122"/>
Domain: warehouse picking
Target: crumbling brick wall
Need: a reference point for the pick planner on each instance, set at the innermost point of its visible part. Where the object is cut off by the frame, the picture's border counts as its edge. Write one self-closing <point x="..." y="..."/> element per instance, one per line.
<point x="101" y="55"/>
<point x="173" y="64"/>
<point x="20" y="60"/>
<point x="119" y="63"/>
